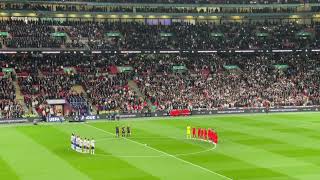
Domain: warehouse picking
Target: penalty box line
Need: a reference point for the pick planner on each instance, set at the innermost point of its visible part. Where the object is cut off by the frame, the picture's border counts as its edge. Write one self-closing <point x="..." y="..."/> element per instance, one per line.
<point x="179" y="159"/>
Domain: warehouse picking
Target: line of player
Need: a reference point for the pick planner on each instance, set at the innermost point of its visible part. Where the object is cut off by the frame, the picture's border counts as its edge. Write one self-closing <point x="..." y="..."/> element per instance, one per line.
<point x="125" y="131"/>
<point x="206" y="134"/>
<point x="82" y="145"/>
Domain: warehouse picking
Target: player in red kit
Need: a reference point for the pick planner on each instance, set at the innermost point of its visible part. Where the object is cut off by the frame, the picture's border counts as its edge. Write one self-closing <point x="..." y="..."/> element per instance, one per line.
<point x="193" y="132"/>
<point x="199" y="133"/>
<point x="209" y="134"/>
<point x="205" y="134"/>
<point x="215" y="137"/>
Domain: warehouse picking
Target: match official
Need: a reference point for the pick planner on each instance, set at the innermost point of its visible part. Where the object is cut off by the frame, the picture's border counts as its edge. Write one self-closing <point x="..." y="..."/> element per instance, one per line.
<point x="128" y="131"/>
<point x="117" y="131"/>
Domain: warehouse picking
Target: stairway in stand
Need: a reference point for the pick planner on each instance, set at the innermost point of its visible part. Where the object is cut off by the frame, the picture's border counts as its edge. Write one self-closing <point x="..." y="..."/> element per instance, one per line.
<point x="20" y="97"/>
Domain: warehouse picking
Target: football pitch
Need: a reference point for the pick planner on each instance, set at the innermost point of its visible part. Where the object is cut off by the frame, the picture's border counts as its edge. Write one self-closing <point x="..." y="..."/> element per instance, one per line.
<point x="251" y="147"/>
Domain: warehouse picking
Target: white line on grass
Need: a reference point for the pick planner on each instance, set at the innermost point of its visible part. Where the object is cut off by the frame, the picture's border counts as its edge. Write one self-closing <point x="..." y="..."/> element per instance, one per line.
<point x="163" y="155"/>
<point x="187" y="162"/>
<point x="181" y="154"/>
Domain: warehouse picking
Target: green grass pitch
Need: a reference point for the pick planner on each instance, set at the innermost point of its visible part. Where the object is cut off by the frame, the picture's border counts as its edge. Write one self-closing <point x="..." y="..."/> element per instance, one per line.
<point x="252" y="147"/>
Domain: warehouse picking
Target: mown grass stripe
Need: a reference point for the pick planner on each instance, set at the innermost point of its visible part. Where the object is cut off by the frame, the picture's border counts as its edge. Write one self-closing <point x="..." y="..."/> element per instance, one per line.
<point x="252" y="147"/>
<point x="95" y="167"/>
<point x="31" y="161"/>
<point x="175" y="167"/>
<point x="6" y="171"/>
<point x="211" y="159"/>
<point x="270" y="158"/>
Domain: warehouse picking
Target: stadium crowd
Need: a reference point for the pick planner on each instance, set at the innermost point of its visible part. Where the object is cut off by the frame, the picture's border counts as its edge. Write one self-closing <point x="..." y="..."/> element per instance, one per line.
<point x="78" y="103"/>
<point x="9" y="107"/>
<point x="134" y="83"/>
<point x="200" y="1"/>
<point x="113" y="93"/>
<point x="152" y="9"/>
<point x="197" y="36"/>
<point x="28" y="35"/>
<point x="165" y="35"/>
<point x="53" y="77"/>
<point x="166" y="82"/>
<point x="235" y="81"/>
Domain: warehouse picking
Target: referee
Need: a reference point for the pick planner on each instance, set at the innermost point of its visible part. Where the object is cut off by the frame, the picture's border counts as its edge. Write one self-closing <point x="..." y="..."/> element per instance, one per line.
<point x="117" y="131"/>
<point x="128" y="131"/>
<point x="123" y="133"/>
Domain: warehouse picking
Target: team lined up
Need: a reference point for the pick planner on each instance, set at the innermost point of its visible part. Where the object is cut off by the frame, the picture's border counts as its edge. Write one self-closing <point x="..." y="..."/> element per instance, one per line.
<point x="206" y="134"/>
<point x="125" y="131"/>
<point x="83" y="145"/>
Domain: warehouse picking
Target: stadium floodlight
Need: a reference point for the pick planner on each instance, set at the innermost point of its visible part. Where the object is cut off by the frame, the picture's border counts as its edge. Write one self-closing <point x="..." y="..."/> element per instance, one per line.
<point x="3" y="14"/>
<point x="16" y="14"/>
<point x="169" y="52"/>
<point x="96" y="52"/>
<point x="207" y="51"/>
<point x="32" y="14"/>
<point x="282" y="50"/>
<point x="130" y="52"/>
<point x="50" y="52"/>
<point x="244" y="51"/>
<point x="8" y="52"/>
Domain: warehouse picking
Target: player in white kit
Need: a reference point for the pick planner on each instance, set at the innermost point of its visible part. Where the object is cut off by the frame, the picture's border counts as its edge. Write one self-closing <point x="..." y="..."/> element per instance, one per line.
<point x="92" y="145"/>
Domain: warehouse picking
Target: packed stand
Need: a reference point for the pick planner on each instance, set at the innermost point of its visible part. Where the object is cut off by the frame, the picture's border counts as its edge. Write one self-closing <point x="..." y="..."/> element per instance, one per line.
<point x="255" y="81"/>
<point x="146" y="8"/>
<point x="106" y="90"/>
<point x="167" y="81"/>
<point x="9" y="107"/>
<point x="199" y="36"/>
<point x="37" y="89"/>
<point x="78" y="103"/>
<point x="163" y="36"/>
<point x="200" y="1"/>
<point x="31" y="34"/>
<point x="112" y="93"/>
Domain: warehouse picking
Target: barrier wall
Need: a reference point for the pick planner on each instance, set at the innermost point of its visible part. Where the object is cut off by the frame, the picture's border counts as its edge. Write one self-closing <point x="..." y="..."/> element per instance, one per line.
<point x="186" y="112"/>
<point x="175" y="112"/>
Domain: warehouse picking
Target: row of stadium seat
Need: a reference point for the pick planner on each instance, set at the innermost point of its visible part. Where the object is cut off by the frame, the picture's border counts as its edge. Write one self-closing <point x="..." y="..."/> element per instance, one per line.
<point x="165" y="82"/>
<point x="148" y="9"/>
<point x="134" y="36"/>
<point x="198" y="1"/>
<point x="9" y="107"/>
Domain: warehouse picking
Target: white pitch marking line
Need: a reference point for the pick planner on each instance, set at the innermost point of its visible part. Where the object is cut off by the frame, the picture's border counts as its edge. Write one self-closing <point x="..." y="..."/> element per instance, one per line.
<point x="137" y="156"/>
<point x="164" y="155"/>
<point x="187" y="162"/>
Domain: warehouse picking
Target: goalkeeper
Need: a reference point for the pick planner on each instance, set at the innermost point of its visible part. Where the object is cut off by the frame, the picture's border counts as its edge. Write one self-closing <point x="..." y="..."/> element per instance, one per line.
<point x="188" y="132"/>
